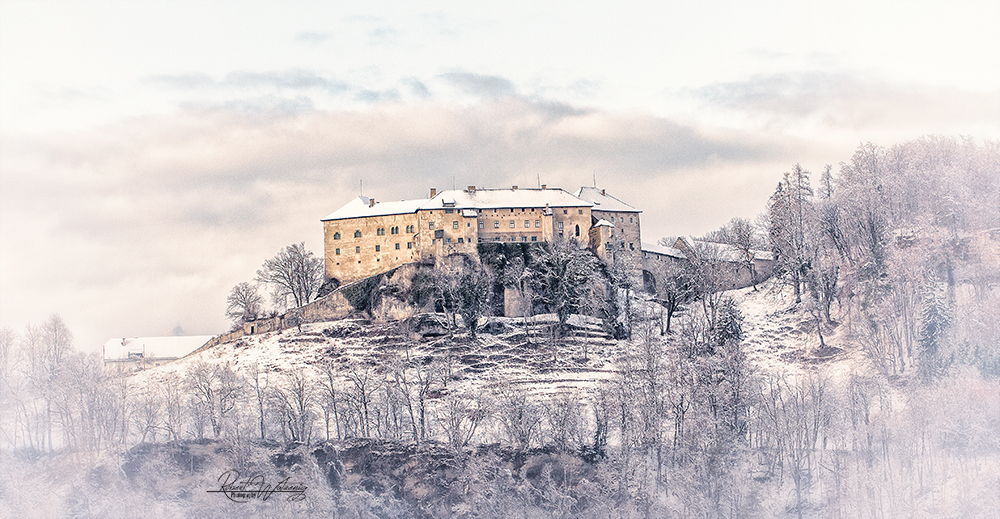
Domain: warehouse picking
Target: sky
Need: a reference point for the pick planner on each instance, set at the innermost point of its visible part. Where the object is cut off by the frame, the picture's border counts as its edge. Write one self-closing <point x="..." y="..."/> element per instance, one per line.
<point x="154" y="154"/>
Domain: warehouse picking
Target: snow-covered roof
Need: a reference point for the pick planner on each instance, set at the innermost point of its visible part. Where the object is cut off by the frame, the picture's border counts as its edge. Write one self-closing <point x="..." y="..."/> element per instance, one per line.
<point x="603" y="201"/>
<point x="504" y="199"/>
<point x="665" y="251"/>
<point x="361" y="207"/>
<point x="603" y="223"/>
<point x="153" y="347"/>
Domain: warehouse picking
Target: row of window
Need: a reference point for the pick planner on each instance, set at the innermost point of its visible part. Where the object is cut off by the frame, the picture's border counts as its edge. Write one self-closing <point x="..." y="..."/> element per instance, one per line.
<point x="381" y="231"/>
<point x="378" y="248"/>
<point x="512" y="238"/>
<point x="512" y="224"/>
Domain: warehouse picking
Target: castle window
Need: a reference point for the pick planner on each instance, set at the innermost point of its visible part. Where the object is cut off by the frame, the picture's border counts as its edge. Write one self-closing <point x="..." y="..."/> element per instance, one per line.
<point x="512" y="224"/>
<point x="527" y="224"/>
<point x="461" y="240"/>
<point x="524" y="238"/>
<point x="380" y="231"/>
<point x="454" y="225"/>
<point x="534" y="238"/>
<point x="560" y="228"/>
<point x="449" y="211"/>
<point x="357" y="234"/>
<point x="357" y="250"/>
<point x="409" y="245"/>
<point x="447" y="240"/>
<point x="579" y="211"/>
<point x="409" y="228"/>
<point x="336" y="251"/>
<point x="578" y="230"/>
<point x="430" y="225"/>
<point x="378" y="248"/>
<point x="480" y="224"/>
<point x="565" y="211"/>
<point x="621" y="219"/>
<point x="538" y="223"/>
<point x="336" y="236"/>
<point x="397" y="246"/>
<point x="629" y="219"/>
<point x="496" y="224"/>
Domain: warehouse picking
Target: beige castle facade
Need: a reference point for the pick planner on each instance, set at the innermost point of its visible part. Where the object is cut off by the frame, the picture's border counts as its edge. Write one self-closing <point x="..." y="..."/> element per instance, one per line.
<point x="366" y="237"/>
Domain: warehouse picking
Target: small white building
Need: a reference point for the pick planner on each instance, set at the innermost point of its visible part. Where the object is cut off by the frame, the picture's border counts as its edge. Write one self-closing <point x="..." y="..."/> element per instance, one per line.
<point x="150" y="352"/>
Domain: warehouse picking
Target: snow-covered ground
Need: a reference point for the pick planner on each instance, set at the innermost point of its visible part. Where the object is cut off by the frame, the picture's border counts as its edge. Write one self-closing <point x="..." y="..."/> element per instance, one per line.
<point x="780" y="339"/>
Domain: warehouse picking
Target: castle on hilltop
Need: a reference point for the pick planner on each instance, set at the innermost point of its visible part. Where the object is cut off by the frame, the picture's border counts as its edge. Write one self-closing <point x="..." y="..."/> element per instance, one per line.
<point x="366" y="237"/>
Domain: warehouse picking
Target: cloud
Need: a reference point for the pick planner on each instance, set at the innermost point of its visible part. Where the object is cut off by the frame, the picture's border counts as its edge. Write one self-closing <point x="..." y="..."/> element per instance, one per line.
<point x="480" y="85"/>
<point x="378" y="96"/>
<point x="383" y="35"/>
<point x="417" y="87"/>
<point x="293" y="79"/>
<point x="312" y="37"/>
<point x="852" y="101"/>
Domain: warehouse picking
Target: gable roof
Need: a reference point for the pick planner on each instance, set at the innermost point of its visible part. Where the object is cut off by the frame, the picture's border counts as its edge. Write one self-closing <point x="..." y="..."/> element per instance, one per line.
<point x="603" y="201"/>
<point x="361" y="207"/>
<point x="503" y="199"/>
<point x="663" y="251"/>
<point x="720" y="251"/>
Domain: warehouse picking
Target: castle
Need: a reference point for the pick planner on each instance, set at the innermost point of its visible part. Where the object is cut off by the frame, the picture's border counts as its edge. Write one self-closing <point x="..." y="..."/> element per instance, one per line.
<point x="366" y="237"/>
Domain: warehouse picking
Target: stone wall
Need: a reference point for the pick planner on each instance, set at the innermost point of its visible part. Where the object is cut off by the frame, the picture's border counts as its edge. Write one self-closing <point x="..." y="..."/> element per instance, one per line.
<point x="626" y="235"/>
<point x="383" y="244"/>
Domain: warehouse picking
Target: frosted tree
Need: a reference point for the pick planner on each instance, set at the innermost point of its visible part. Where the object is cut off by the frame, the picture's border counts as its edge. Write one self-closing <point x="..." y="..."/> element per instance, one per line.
<point x="791" y="218"/>
<point x="561" y="273"/>
<point x="244" y="303"/>
<point x="293" y="273"/>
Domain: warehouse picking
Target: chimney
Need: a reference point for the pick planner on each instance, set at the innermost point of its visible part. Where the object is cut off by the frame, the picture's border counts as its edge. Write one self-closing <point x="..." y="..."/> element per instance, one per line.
<point x="434" y="192"/>
<point x="543" y="186"/>
<point x="514" y="188"/>
<point x="371" y="202"/>
<point x="471" y="189"/>
<point x="602" y="193"/>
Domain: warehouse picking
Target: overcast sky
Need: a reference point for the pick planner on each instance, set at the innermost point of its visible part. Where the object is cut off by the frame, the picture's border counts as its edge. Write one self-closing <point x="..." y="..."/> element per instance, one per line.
<point x="153" y="154"/>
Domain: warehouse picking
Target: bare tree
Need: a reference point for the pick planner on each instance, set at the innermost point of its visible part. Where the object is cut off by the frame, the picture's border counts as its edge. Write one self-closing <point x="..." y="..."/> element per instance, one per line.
<point x="741" y="234"/>
<point x="215" y="391"/>
<point x="244" y="303"/>
<point x="516" y="276"/>
<point x="259" y="387"/>
<point x="296" y="401"/>
<point x="520" y="418"/>
<point x="461" y="416"/>
<point x="561" y="274"/>
<point x="294" y="272"/>
<point x="791" y="219"/>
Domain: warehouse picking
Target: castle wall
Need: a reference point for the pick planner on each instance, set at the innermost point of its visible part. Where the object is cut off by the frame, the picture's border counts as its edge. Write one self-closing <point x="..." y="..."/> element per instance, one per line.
<point x="446" y="231"/>
<point x="626" y="235"/>
<point x="384" y="243"/>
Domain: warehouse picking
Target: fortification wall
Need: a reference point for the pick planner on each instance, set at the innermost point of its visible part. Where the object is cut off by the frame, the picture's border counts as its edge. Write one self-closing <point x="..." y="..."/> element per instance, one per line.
<point x="356" y="248"/>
